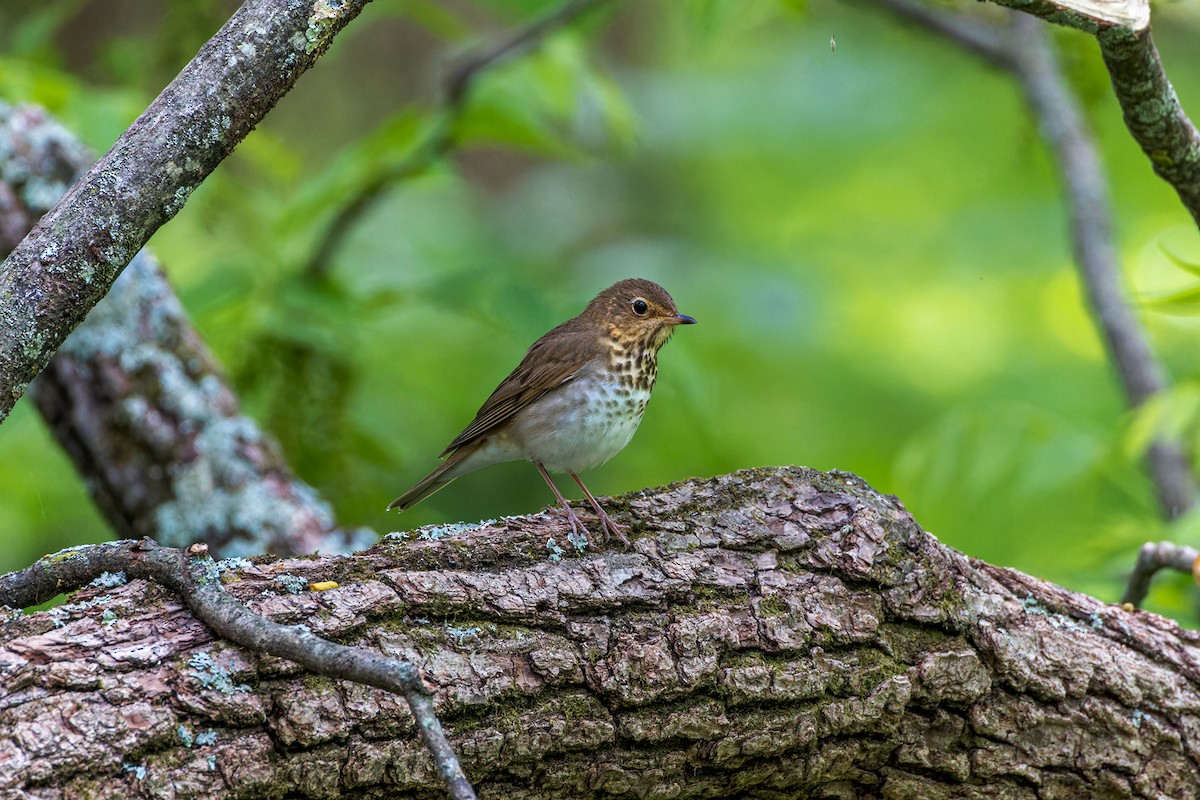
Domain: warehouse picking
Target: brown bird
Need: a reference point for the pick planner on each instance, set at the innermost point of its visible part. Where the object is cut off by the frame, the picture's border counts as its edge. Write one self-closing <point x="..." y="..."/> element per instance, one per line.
<point x="574" y="401"/>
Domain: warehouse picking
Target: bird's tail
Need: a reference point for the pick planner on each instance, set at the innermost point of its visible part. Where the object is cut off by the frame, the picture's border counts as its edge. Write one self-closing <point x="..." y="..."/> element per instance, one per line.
<point x="435" y="480"/>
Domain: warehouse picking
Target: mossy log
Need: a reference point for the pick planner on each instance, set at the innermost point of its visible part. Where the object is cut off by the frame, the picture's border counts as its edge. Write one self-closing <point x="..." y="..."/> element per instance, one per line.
<point x="772" y="633"/>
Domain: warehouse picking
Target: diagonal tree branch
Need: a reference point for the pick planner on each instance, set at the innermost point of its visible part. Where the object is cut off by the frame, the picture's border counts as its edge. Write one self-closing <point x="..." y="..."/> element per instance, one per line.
<point x="72" y="257"/>
<point x="1022" y="48"/>
<point x="1090" y="16"/>
<point x="1153" y="113"/>
<point x="139" y="403"/>
<point x="1065" y="130"/>
<point x="1152" y="110"/>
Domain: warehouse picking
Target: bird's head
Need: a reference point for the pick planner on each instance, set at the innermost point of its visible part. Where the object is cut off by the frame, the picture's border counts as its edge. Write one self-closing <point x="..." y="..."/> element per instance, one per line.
<point x="637" y="311"/>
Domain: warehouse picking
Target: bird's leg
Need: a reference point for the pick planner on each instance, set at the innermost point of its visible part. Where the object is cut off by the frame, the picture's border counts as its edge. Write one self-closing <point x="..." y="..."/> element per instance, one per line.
<point x="608" y="523"/>
<point x="576" y="524"/>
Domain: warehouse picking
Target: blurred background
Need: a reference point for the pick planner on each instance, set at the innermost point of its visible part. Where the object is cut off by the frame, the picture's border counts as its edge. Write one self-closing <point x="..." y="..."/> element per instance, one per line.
<point x="861" y="217"/>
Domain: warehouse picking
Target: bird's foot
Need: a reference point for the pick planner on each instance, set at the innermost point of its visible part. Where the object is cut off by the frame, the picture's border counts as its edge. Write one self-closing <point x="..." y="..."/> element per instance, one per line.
<point x="578" y="535"/>
<point x="608" y="526"/>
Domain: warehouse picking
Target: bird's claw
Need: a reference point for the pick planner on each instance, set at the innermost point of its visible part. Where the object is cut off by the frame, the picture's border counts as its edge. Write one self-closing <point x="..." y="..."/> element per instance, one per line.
<point x="617" y="530"/>
<point x="607" y="528"/>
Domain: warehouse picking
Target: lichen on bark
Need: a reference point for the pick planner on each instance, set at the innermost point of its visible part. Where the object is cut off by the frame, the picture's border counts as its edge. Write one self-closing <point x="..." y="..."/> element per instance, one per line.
<point x="772" y="633"/>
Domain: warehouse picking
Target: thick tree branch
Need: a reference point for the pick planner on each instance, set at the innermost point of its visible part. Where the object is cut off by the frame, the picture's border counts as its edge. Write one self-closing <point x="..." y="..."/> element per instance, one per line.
<point x="138" y="402"/>
<point x="72" y="257"/>
<point x="773" y="633"/>
<point x="195" y="578"/>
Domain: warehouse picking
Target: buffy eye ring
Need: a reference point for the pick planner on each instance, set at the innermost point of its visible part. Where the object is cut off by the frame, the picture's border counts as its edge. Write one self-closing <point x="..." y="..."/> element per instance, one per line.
<point x="640" y="307"/>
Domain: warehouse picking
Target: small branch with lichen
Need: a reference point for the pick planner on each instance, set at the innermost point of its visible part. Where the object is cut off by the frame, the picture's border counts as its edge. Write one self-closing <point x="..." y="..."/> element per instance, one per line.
<point x="194" y="577"/>
<point x="439" y="137"/>
<point x="1153" y="114"/>
<point x="58" y="273"/>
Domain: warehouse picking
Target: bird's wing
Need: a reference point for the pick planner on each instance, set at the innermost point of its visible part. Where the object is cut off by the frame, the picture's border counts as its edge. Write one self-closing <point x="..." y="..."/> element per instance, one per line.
<point x="551" y="361"/>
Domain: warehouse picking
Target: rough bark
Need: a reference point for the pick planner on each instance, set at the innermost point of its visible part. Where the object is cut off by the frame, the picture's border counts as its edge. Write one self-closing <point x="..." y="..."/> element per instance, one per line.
<point x="772" y="633"/>
<point x="69" y="261"/>
<point x="137" y="400"/>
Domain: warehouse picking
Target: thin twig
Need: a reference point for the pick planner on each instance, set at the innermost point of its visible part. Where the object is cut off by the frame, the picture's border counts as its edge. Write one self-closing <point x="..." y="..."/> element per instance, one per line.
<point x="194" y="576"/>
<point x="439" y="137"/>
<point x="974" y="35"/>
<point x="1066" y="131"/>
<point x="515" y="43"/>
<point x="1153" y="557"/>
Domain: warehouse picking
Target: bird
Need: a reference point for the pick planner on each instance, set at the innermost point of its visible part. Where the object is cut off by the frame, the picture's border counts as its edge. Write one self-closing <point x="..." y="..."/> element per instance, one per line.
<point x="574" y="401"/>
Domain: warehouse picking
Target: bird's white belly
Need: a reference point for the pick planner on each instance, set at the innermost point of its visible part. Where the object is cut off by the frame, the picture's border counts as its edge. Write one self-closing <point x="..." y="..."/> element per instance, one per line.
<point x="581" y="425"/>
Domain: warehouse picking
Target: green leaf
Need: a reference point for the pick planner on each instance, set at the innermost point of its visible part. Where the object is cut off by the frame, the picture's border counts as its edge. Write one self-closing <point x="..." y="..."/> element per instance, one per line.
<point x="394" y="142"/>
<point x="1170" y="414"/>
<point x="1186" y="266"/>
<point x="1186" y="301"/>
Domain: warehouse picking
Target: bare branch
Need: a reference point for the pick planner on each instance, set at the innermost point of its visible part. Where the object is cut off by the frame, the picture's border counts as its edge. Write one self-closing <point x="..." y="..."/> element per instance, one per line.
<point x="439" y="137"/>
<point x="974" y="35"/>
<point x="1155" y="556"/>
<point x="1065" y="130"/>
<point x="72" y="257"/>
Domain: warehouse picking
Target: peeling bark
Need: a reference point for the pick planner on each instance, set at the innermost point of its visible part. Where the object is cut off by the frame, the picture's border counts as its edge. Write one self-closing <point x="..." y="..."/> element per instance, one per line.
<point x="773" y="633"/>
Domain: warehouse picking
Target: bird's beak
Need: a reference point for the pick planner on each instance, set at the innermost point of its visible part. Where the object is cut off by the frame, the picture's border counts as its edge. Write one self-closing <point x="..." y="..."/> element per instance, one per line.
<point x="681" y="319"/>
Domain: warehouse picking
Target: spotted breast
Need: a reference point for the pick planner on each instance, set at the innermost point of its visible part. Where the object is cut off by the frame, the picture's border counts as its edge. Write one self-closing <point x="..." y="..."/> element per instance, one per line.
<point x="595" y="418"/>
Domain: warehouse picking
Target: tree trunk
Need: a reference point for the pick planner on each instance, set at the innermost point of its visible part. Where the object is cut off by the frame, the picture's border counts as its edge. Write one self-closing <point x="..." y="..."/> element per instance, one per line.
<point x="772" y="633"/>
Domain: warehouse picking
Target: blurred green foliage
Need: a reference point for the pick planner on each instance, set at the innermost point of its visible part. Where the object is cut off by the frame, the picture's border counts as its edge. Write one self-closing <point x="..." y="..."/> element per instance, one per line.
<point x="870" y="236"/>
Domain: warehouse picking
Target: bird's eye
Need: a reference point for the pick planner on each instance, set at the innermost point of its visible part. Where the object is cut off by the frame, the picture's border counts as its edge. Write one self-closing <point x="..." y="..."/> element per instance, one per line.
<point x="640" y="307"/>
